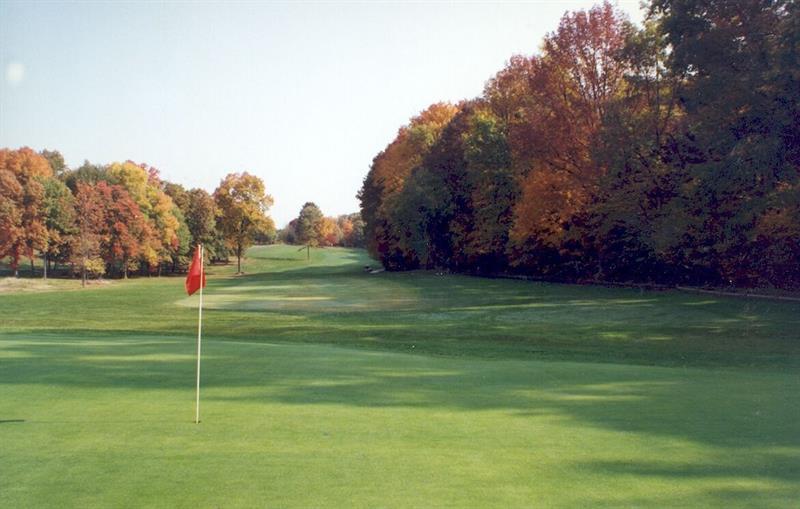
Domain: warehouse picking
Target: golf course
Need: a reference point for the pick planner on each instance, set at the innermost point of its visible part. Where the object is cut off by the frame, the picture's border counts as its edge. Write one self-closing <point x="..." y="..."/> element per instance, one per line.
<point x="324" y="385"/>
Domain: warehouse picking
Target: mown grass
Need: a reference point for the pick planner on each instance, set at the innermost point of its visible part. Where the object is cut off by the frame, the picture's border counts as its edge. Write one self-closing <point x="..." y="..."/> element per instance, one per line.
<point x="328" y="386"/>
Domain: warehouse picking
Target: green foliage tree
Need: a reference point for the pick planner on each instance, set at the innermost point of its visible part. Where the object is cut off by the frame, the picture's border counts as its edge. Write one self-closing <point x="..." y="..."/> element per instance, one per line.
<point x="59" y="212"/>
<point x="87" y="173"/>
<point x="56" y="161"/>
<point x="309" y="222"/>
<point x="739" y="148"/>
<point x="494" y="191"/>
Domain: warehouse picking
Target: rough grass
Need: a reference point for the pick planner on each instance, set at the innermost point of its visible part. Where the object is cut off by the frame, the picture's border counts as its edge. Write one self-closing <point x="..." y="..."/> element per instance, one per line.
<point x="327" y="386"/>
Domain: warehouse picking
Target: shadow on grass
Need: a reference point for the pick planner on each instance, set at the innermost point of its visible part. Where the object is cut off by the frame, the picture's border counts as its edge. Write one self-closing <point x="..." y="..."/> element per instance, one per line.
<point x="750" y="418"/>
<point x="723" y="407"/>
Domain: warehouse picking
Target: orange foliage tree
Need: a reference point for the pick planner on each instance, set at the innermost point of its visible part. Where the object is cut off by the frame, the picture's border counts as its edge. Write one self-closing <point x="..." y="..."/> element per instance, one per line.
<point x="572" y="83"/>
<point x="23" y="226"/>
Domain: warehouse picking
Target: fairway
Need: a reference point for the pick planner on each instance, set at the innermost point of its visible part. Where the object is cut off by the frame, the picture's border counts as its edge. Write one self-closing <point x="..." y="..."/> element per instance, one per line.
<point x="327" y="386"/>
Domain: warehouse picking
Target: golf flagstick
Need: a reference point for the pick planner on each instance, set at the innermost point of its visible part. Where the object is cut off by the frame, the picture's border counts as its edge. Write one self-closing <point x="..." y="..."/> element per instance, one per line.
<point x="199" y="338"/>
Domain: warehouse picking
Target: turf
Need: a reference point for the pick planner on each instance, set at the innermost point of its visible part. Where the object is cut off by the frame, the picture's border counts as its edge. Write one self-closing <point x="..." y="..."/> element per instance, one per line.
<point x="329" y="386"/>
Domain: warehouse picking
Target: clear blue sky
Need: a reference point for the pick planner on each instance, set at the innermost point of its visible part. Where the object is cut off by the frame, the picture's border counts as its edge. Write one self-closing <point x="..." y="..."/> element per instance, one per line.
<point x="303" y="95"/>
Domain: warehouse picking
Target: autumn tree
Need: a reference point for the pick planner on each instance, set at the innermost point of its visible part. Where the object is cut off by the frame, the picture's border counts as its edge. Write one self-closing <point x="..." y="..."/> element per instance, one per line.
<point x="144" y="186"/>
<point x="11" y="229"/>
<point x="85" y="249"/>
<point x="352" y="230"/>
<point x="21" y="201"/>
<point x="329" y="232"/>
<point x="125" y="232"/>
<point x="574" y="81"/>
<point x="242" y="204"/>
<point x="389" y="171"/>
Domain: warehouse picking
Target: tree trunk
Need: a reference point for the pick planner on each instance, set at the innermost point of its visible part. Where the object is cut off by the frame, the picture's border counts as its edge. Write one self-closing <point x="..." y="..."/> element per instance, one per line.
<point x="44" y="273"/>
<point x="33" y="272"/>
<point x="125" y="269"/>
<point x="83" y="274"/>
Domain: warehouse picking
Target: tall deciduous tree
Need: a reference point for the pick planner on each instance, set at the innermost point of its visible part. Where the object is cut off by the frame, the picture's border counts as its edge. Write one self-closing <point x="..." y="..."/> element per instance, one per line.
<point x="21" y="201"/>
<point x="59" y="211"/>
<point x="493" y="190"/>
<point x="144" y="186"/>
<point x="742" y="101"/>
<point x="242" y="204"/>
<point x="90" y="209"/>
<point x="576" y="78"/>
<point x="125" y="230"/>
<point x="388" y="174"/>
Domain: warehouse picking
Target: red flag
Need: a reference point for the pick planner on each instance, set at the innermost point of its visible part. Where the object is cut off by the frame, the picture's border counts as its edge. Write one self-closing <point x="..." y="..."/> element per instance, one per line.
<point x="196" y="272"/>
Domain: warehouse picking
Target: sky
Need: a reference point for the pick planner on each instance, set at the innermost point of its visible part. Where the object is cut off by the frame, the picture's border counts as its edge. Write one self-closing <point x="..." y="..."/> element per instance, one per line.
<point x="301" y="94"/>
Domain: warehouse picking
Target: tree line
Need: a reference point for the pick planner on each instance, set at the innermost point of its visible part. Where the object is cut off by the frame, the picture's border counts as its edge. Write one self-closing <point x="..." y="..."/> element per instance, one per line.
<point x="120" y="218"/>
<point x="667" y="152"/>
<point x="312" y="228"/>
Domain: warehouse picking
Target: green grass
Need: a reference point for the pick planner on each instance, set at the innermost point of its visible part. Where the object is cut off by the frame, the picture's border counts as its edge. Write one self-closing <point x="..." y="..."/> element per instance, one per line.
<point x="328" y="386"/>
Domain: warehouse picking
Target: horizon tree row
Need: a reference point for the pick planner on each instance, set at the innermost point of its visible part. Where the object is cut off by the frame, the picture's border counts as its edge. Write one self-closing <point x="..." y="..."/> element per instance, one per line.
<point x="312" y="228"/>
<point x="665" y="153"/>
<point x="120" y="218"/>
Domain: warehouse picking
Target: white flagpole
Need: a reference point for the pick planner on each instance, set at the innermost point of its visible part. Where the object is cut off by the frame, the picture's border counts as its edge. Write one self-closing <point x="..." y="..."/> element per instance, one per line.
<point x="199" y="334"/>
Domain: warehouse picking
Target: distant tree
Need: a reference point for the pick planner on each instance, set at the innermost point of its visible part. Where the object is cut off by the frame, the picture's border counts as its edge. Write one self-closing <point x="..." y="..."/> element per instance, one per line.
<point x="329" y="232"/>
<point x="288" y="235"/>
<point x="242" y="204"/>
<point x="309" y="223"/>
<point x="266" y="234"/>
<point x="345" y="226"/>
<point x="356" y="236"/>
